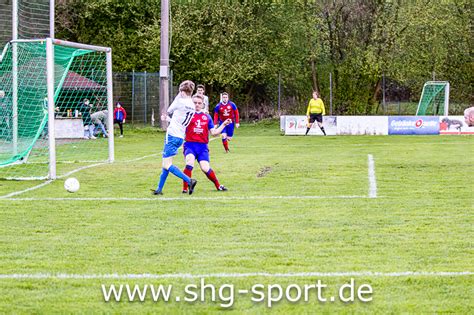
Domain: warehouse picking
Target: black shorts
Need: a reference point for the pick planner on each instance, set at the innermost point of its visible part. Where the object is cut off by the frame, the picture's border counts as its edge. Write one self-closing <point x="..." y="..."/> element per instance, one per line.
<point x="315" y="117"/>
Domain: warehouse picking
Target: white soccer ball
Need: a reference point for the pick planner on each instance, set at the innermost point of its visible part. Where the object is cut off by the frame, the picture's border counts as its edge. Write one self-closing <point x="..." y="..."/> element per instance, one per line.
<point x="72" y="185"/>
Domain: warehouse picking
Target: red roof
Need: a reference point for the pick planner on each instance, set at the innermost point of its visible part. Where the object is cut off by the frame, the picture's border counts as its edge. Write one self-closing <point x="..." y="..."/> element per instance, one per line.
<point x="76" y="81"/>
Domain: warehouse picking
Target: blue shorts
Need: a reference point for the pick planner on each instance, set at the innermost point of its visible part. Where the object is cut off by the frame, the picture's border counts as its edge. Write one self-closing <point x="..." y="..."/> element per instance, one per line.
<point x="229" y="129"/>
<point x="172" y="145"/>
<point x="199" y="150"/>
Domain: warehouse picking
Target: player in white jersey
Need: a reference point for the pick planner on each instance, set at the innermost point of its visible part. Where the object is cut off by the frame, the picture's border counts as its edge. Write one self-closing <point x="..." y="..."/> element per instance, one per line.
<point x="180" y="114"/>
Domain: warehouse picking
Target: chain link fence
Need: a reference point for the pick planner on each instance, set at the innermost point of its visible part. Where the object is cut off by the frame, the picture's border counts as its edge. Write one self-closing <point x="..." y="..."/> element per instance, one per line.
<point x="392" y="98"/>
<point x="139" y="94"/>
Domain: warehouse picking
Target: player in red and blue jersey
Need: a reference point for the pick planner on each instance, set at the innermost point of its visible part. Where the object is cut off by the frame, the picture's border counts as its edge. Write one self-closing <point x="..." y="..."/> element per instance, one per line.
<point x="226" y="109"/>
<point x="197" y="139"/>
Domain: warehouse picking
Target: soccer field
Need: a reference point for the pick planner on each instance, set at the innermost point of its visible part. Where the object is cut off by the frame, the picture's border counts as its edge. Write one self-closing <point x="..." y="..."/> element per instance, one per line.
<point x="393" y="212"/>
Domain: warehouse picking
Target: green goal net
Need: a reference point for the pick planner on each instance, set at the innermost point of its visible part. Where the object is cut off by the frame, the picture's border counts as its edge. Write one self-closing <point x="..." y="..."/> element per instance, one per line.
<point x="434" y="99"/>
<point x="80" y="109"/>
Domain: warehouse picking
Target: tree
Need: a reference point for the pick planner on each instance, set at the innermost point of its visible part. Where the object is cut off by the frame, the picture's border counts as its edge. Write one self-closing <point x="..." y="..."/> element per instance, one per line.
<point x="244" y="46"/>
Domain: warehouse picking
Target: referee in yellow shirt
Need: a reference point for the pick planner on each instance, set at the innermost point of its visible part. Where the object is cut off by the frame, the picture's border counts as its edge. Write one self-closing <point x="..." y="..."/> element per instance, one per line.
<point x="315" y="112"/>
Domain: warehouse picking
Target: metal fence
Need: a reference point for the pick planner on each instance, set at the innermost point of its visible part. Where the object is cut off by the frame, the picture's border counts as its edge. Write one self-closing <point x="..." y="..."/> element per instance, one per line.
<point x="139" y="94"/>
<point x="392" y="99"/>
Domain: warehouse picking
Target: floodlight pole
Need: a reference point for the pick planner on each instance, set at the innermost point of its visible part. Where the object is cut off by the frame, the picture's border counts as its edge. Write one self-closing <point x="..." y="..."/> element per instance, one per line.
<point x="164" y="61"/>
<point x="383" y="93"/>
<point x="330" y="93"/>
<point x="51" y="106"/>
<point x="15" y="77"/>
<point x="279" y="94"/>
<point x="51" y="18"/>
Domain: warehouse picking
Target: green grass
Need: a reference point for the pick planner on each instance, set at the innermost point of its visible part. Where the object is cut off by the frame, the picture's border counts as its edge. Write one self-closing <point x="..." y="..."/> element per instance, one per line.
<point x="422" y="220"/>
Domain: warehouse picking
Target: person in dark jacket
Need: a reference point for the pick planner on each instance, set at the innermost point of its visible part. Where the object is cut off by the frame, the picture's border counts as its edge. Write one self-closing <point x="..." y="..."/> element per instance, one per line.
<point x="85" y="109"/>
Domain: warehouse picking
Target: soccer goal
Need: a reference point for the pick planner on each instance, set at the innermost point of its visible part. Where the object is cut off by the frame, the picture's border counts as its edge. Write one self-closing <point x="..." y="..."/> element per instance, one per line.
<point x="56" y="108"/>
<point x="434" y="99"/>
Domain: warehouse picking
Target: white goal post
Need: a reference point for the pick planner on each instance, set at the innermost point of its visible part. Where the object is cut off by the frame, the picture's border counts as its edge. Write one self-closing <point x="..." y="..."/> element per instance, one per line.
<point x="51" y="105"/>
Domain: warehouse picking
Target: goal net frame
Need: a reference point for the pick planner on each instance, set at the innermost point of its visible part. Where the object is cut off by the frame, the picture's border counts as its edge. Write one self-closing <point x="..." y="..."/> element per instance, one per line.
<point x="51" y="105"/>
<point x="426" y="98"/>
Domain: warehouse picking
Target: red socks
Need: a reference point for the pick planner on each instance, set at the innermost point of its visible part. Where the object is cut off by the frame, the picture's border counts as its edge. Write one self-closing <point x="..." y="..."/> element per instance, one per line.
<point x="212" y="177"/>
<point x="226" y="144"/>
<point x="188" y="170"/>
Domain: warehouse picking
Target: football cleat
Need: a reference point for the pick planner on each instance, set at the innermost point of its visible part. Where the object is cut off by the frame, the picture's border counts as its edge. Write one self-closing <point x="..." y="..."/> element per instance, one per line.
<point x="192" y="185"/>
<point x="156" y="192"/>
<point x="222" y="188"/>
<point x="185" y="191"/>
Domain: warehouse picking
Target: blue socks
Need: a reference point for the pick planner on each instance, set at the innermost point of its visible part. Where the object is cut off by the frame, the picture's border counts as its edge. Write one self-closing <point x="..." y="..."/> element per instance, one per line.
<point x="163" y="177"/>
<point x="177" y="172"/>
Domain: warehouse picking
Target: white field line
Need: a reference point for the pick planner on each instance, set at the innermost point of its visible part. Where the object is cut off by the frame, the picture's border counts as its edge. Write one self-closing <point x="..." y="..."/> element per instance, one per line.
<point x="339" y="145"/>
<point x="16" y="193"/>
<point x="157" y="199"/>
<point x="372" y="180"/>
<point x="49" y="181"/>
<point x="237" y="275"/>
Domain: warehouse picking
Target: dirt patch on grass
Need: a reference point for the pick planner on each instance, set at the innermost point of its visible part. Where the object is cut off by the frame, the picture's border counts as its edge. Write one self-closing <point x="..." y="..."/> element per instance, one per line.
<point x="264" y="171"/>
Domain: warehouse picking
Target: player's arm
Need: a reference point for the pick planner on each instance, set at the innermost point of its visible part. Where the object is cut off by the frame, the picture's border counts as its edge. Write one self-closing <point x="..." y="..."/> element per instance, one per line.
<point x="217" y="131"/>
<point x="206" y="104"/>
<point x="216" y="114"/>
<point x="170" y="111"/>
<point x="322" y="107"/>
<point x="308" y="124"/>
<point x="236" y="116"/>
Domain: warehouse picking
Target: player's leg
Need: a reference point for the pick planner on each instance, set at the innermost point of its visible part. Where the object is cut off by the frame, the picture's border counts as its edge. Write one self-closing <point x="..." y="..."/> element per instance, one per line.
<point x="176" y="143"/>
<point x="170" y="149"/>
<point x="319" y="119"/>
<point x="211" y="175"/>
<point x="166" y="162"/>
<point x="224" y="141"/>
<point x="229" y="133"/>
<point x="310" y="124"/>
<point x="120" y="123"/>
<point x="168" y="167"/>
<point x="178" y="173"/>
<point x="102" y="127"/>
<point x="204" y="164"/>
<point x="188" y="169"/>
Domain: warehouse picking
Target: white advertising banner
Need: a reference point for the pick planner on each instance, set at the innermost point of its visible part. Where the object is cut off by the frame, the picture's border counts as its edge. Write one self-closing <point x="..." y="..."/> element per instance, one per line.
<point x="362" y="125"/>
<point x="69" y="128"/>
<point x="454" y="125"/>
<point x="378" y="125"/>
<point x="296" y="126"/>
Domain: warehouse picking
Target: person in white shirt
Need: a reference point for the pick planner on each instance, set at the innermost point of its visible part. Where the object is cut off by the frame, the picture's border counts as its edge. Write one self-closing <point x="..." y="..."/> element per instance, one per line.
<point x="180" y="113"/>
<point x="200" y="91"/>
